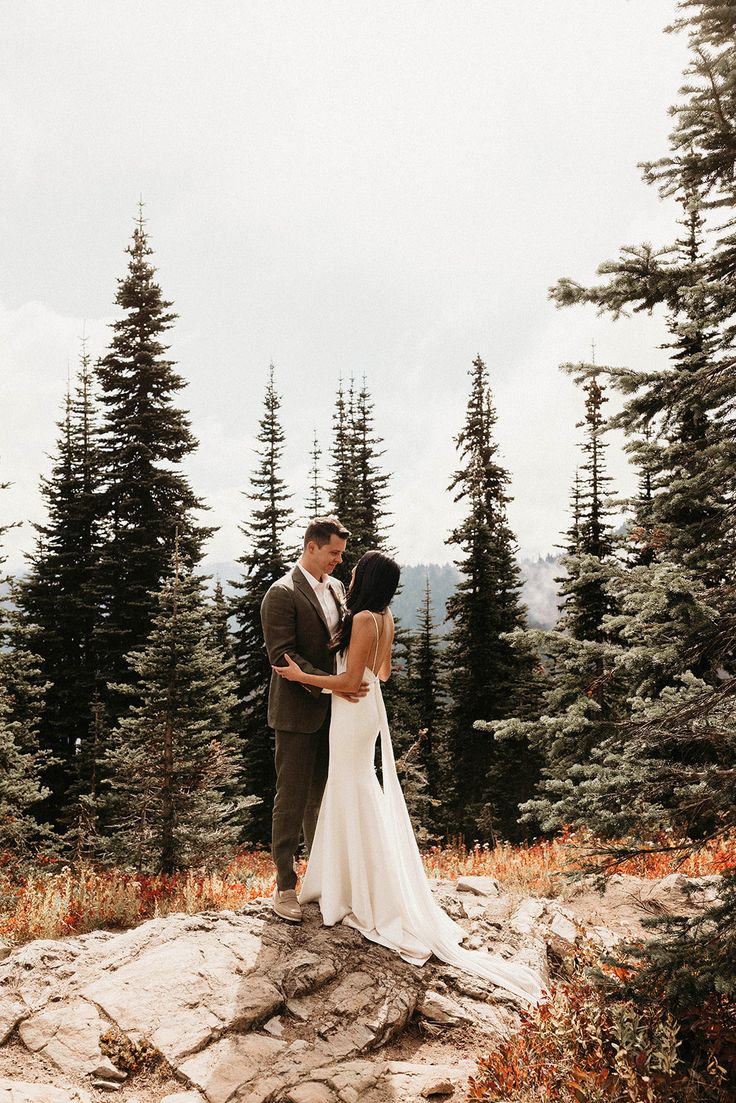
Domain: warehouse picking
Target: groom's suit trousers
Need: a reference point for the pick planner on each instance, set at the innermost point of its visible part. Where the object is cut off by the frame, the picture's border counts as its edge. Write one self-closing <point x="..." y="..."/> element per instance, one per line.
<point x="302" y="761"/>
<point x="294" y="623"/>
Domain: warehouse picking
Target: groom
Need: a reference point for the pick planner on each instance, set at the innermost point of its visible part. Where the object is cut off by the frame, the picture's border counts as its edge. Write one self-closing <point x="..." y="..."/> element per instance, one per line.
<point x="300" y="614"/>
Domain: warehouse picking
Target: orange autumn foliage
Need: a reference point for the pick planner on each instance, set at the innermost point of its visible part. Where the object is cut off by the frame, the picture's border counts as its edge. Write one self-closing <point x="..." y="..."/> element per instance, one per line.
<point x="58" y="900"/>
<point x="582" y="1044"/>
<point x="540" y="868"/>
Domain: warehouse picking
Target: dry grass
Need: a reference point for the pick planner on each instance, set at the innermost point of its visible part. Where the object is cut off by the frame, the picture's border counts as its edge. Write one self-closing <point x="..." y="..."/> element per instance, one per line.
<point x="82" y="898"/>
<point x="540" y="868"/>
<point x="62" y="900"/>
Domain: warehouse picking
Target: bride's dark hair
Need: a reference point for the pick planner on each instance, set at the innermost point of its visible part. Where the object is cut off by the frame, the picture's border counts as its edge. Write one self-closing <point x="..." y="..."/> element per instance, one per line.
<point x="374" y="584"/>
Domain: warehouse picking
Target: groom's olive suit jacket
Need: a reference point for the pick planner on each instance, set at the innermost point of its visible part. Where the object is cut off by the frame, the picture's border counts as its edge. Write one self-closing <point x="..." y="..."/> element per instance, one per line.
<point x="294" y="623"/>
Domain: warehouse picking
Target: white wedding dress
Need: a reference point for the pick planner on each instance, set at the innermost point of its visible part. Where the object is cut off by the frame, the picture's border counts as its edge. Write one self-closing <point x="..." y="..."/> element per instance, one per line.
<point x="365" y="869"/>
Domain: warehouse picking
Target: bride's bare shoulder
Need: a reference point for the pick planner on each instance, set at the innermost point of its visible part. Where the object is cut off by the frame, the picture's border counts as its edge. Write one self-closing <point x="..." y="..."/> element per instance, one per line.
<point x="363" y="617"/>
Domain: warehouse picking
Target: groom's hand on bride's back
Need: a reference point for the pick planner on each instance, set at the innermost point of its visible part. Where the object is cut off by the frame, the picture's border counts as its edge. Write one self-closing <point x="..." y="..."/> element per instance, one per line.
<point x="353" y="697"/>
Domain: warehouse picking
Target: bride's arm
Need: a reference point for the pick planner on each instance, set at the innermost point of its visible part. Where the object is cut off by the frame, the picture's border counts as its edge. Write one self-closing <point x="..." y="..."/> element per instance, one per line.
<point x="350" y="680"/>
<point x="384" y="671"/>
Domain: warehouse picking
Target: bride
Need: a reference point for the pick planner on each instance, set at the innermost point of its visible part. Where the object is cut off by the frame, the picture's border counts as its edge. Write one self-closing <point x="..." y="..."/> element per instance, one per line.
<point x="364" y="867"/>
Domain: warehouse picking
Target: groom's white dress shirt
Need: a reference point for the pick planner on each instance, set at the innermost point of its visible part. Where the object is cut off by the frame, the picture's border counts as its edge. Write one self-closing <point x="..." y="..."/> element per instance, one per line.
<point x="326" y="599"/>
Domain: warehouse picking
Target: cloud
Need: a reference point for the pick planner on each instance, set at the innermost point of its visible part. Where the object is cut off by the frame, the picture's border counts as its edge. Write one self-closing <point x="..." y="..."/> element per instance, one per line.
<point x="40" y="349"/>
<point x="362" y="193"/>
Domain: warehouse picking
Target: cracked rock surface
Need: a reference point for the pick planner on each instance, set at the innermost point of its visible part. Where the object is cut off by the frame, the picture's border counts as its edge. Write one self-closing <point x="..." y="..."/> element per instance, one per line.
<point x="241" y="1007"/>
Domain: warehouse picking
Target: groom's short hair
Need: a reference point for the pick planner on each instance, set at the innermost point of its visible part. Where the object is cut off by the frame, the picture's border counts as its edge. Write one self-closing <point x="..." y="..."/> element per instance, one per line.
<point x="322" y="529"/>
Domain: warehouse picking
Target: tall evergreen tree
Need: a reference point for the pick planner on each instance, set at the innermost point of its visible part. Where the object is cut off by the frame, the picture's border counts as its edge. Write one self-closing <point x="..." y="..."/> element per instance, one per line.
<point x="425" y="679"/>
<point x="678" y="419"/>
<point x="369" y="531"/>
<point x="219" y="620"/>
<point x="372" y="490"/>
<point x="667" y="763"/>
<point x="643" y="538"/>
<point x="343" y="488"/>
<point x="359" y="486"/>
<point x="486" y="675"/>
<point x="586" y="601"/>
<point x="670" y="766"/>
<point x="21" y="788"/>
<point x="145" y="437"/>
<point x="266" y="559"/>
<point x="22" y="762"/>
<point x="315" y="500"/>
<point x="701" y="156"/>
<point x="5" y="526"/>
<point x="84" y="817"/>
<point x="173" y="763"/>
<point x="416" y="709"/>
<point x="578" y="704"/>
<point x="59" y="595"/>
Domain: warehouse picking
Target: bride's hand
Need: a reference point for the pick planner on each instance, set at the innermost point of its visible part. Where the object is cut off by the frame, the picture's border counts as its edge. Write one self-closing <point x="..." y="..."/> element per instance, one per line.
<point x="291" y="671"/>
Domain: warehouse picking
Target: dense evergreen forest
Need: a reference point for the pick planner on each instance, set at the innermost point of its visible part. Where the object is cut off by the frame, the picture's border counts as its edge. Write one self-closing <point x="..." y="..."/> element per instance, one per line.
<point x="132" y="698"/>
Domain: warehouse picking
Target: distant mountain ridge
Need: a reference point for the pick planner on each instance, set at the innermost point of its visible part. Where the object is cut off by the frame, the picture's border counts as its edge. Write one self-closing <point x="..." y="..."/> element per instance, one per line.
<point x="539" y="594"/>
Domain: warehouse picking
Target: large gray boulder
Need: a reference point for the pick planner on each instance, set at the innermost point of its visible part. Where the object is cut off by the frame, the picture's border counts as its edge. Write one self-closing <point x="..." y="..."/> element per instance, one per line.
<point x="244" y="1007"/>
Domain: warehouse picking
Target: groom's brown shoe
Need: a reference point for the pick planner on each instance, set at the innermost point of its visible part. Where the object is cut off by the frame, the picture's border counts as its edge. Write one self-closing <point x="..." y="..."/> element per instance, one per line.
<point x="286" y="905"/>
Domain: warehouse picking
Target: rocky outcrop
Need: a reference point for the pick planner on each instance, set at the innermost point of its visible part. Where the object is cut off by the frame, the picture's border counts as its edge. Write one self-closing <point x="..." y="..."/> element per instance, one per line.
<point x="240" y="1007"/>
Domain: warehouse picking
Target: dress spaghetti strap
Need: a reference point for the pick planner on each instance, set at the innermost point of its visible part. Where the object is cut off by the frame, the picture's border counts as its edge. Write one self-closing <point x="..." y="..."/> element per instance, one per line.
<point x="375" y="653"/>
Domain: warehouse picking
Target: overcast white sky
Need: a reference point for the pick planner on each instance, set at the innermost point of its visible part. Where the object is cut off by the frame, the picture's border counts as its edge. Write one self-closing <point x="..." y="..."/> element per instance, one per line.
<point x="378" y="186"/>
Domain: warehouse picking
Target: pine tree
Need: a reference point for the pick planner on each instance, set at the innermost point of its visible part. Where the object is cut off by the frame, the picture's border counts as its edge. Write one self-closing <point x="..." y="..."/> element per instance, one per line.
<point x="59" y="595"/>
<point x="173" y="763"/>
<point x="421" y="802"/>
<point x="145" y="438"/>
<point x="21" y="766"/>
<point x="688" y="510"/>
<point x="693" y="512"/>
<point x="643" y="538"/>
<point x="416" y="708"/>
<point x="486" y="675"/>
<point x="372" y="483"/>
<point x="425" y="679"/>
<point x="219" y="621"/>
<point x="22" y="762"/>
<point x="701" y="156"/>
<point x="315" y="501"/>
<point x="266" y="559"/>
<point x="664" y="779"/>
<point x="579" y="703"/>
<point x="85" y="806"/>
<point x="677" y="419"/>
<point x="666" y="763"/>
<point x="586" y="601"/>
<point x="358" y="490"/>
<point x="343" y="488"/>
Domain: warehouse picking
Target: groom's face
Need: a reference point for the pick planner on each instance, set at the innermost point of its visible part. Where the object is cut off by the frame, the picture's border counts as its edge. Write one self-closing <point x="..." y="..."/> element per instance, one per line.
<point x="329" y="555"/>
